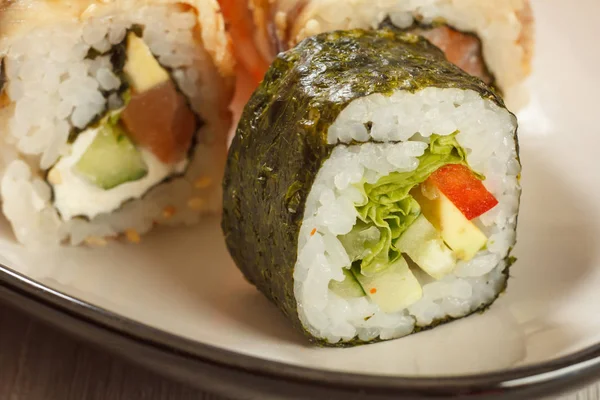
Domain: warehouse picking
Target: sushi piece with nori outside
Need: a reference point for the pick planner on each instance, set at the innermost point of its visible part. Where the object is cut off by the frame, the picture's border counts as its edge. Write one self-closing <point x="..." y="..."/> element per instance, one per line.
<point x="114" y="116"/>
<point x="342" y="191"/>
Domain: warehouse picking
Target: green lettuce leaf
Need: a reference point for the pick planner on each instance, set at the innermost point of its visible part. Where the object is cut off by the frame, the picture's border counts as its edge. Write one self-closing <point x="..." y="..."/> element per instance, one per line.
<point x="391" y="209"/>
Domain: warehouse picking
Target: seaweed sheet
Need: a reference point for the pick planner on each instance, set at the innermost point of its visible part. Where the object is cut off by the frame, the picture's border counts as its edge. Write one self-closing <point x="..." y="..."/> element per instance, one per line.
<point x="418" y="27"/>
<point x="281" y="141"/>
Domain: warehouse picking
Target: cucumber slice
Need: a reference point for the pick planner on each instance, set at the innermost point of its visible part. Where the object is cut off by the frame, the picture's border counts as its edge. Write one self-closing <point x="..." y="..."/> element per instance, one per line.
<point x="392" y="289"/>
<point x="111" y="159"/>
<point x="348" y="288"/>
<point x="359" y="241"/>
<point x="424" y="245"/>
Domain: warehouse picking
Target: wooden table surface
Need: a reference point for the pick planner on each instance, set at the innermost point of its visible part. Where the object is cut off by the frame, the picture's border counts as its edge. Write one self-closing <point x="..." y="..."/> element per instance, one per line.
<point x="39" y="362"/>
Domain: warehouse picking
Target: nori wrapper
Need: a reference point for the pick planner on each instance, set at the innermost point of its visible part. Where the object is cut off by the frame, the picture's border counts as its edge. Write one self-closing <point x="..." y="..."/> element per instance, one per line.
<point x="281" y="140"/>
<point x="418" y="27"/>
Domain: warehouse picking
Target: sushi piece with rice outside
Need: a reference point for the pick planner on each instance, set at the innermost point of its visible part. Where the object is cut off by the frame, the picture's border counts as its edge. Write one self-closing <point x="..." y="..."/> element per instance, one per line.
<point x="113" y="116"/>
<point x="372" y="188"/>
<point x="489" y="39"/>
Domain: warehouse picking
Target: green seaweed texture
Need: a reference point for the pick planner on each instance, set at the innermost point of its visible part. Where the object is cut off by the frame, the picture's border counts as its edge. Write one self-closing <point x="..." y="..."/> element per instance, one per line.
<point x="281" y="141"/>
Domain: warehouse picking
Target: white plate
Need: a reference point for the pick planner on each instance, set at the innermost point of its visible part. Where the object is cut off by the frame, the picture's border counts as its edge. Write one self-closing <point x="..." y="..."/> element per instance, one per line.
<point x="183" y="282"/>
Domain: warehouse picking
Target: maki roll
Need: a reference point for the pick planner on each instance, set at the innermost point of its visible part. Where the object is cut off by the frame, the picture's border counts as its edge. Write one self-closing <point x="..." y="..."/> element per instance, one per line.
<point x="113" y="116"/>
<point x="492" y="40"/>
<point x="372" y="188"/>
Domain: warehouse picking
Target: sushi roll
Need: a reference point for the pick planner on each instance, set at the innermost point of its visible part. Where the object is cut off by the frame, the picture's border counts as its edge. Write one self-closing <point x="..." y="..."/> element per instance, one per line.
<point x="114" y="116"/>
<point x="372" y="188"/>
<point x="492" y="40"/>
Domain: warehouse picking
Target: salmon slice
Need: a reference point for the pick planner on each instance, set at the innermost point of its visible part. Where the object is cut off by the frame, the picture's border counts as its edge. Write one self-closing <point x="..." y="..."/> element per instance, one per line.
<point x="240" y="24"/>
<point x="160" y="120"/>
<point x="461" y="49"/>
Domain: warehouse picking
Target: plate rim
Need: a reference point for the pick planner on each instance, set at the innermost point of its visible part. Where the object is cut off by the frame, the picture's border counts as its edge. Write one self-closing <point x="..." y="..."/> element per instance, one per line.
<point x="560" y="374"/>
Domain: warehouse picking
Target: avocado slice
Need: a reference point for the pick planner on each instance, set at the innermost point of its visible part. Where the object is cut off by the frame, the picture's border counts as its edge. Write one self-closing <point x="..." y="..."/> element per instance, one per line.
<point x="461" y="235"/>
<point x="392" y="289"/>
<point x="424" y="245"/>
<point x="111" y="159"/>
<point x="142" y="70"/>
<point x="348" y="288"/>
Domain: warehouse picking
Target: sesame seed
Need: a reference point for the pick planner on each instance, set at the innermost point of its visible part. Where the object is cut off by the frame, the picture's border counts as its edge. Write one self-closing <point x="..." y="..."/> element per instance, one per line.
<point x="54" y="177"/>
<point x="195" y="203"/>
<point x="95" y="241"/>
<point x="133" y="236"/>
<point x="168" y="211"/>
<point x="202" y="182"/>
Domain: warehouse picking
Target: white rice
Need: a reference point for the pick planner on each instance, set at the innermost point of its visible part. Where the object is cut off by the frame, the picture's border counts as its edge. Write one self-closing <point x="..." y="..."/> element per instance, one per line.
<point x="502" y="25"/>
<point x="53" y="87"/>
<point x="404" y="123"/>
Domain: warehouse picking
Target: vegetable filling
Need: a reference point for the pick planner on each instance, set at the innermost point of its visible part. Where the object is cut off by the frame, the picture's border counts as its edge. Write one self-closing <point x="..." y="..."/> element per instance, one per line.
<point x="424" y="215"/>
<point x="144" y="139"/>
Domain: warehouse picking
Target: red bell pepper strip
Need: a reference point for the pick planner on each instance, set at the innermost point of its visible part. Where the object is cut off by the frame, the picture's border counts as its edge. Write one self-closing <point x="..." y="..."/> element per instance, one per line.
<point x="460" y="185"/>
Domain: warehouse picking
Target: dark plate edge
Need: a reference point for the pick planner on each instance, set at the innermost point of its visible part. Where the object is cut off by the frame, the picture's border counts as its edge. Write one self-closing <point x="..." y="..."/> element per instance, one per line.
<point x="243" y="376"/>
